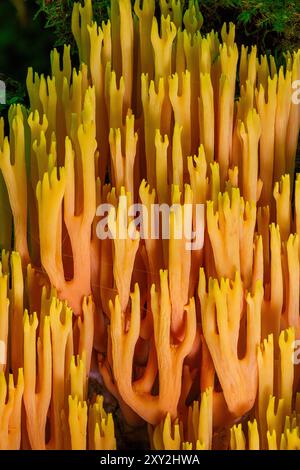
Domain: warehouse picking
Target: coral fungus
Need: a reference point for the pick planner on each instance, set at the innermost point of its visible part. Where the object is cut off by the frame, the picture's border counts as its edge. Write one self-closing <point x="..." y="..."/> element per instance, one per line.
<point x="150" y="240"/>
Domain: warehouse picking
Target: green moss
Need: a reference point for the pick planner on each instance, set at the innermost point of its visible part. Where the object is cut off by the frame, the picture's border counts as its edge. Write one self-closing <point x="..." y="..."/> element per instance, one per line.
<point x="273" y="25"/>
<point x="57" y="16"/>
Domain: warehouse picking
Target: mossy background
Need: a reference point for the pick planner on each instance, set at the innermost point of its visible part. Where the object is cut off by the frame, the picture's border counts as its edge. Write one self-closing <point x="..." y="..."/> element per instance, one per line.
<point x="30" y="28"/>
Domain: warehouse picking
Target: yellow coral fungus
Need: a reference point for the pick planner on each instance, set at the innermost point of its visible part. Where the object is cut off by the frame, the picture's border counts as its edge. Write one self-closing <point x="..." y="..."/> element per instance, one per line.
<point x="160" y="167"/>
